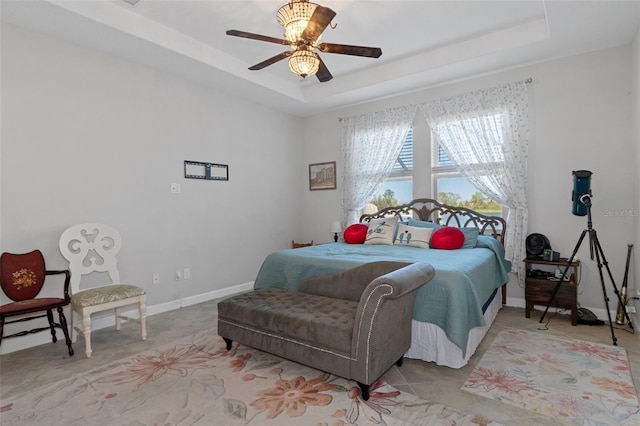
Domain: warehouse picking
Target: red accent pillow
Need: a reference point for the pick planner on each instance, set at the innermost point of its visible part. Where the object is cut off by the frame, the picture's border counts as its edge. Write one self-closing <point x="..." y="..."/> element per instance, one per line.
<point x="447" y="238"/>
<point x="356" y="233"/>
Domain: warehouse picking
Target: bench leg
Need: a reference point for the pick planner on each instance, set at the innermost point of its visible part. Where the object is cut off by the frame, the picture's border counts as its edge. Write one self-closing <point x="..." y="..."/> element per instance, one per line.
<point x="228" y="342"/>
<point x="365" y="391"/>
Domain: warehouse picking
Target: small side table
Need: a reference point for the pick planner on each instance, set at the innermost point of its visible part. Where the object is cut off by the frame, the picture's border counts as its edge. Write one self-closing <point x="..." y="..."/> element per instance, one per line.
<point x="538" y="290"/>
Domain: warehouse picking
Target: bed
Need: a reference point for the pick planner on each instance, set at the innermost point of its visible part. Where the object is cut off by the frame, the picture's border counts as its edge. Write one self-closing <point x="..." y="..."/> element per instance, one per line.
<point x="454" y="311"/>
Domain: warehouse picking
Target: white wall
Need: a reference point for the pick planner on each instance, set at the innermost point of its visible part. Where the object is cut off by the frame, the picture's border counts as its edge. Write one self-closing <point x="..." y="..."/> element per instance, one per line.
<point x="581" y="114"/>
<point x="90" y="137"/>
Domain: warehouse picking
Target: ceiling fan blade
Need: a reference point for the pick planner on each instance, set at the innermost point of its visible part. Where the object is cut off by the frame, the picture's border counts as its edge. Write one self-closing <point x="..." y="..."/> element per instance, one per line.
<point x="271" y="60"/>
<point x="323" y="73"/>
<point x="320" y="19"/>
<point x="260" y="37"/>
<point x="345" y="49"/>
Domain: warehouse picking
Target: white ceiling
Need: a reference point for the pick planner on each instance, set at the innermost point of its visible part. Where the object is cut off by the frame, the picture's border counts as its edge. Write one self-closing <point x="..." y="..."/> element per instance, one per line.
<point x="424" y="43"/>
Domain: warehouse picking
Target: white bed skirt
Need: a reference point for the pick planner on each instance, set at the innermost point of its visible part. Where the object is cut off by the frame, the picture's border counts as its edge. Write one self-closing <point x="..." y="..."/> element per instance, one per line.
<point x="429" y="342"/>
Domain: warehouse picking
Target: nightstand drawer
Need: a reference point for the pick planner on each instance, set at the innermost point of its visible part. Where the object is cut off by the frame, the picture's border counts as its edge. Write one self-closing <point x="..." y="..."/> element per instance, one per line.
<point x="539" y="290"/>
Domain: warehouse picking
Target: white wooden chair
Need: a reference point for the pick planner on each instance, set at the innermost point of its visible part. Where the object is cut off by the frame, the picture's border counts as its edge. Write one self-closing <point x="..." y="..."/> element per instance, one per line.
<point x="89" y="248"/>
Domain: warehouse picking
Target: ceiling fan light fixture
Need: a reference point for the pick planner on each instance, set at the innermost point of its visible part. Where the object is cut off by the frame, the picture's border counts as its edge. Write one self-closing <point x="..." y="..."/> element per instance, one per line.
<point x="294" y="17"/>
<point x="304" y="62"/>
<point x="304" y="23"/>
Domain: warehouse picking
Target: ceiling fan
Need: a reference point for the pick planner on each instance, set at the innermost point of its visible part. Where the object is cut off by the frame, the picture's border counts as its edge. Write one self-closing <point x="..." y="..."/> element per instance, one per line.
<point x="303" y="24"/>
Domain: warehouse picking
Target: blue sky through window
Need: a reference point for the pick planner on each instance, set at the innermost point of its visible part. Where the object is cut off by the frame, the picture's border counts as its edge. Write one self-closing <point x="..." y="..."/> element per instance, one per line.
<point x="457" y="185"/>
<point x="402" y="190"/>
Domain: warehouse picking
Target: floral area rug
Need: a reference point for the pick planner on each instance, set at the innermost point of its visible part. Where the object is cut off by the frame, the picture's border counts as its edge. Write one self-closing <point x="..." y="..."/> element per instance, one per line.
<point x="579" y="382"/>
<point x="196" y="381"/>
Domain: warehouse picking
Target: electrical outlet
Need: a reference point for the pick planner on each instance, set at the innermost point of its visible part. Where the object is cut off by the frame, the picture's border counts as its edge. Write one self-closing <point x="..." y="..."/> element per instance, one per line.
<point x="178" y="275"/>
<point x="155" y="278"/>
<point x="186" y="273"/>
<point x="638" y="292"/>
<point x="631" y="309"/>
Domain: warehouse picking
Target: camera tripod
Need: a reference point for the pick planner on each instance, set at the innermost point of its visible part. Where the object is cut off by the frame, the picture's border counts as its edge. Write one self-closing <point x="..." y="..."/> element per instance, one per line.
<point x="594" y="247"/>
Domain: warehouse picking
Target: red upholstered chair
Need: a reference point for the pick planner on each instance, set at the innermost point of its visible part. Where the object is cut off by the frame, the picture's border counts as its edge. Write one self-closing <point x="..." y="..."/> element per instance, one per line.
<point x="22" y="277"/>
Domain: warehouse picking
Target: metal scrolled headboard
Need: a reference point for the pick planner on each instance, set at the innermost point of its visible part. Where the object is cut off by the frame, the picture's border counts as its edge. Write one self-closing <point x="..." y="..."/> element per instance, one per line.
<point x="429" y="210"/>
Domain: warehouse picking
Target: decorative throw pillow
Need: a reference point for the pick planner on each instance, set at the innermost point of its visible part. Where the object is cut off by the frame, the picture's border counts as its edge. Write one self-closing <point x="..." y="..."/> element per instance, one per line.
<point x="423" y="224"/>
<point x="447" y="238"/>
<point x="381" y="230"/>
<point x="413" y="236"/>
<point x="470" y="237"/>
<point x="356" y="233"/>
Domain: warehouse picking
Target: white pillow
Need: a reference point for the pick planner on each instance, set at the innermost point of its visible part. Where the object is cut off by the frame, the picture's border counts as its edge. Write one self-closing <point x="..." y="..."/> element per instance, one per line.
<point x="413" y="236"/>
<point x="381" y="230"/>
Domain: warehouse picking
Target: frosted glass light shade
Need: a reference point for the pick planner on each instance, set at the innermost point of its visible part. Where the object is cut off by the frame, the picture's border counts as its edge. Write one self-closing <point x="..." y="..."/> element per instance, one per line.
<point x="304" y="63"/>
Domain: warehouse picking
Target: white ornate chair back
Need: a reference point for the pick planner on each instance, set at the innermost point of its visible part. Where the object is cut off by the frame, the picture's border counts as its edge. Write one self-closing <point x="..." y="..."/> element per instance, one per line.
<point x="91" y="247"/>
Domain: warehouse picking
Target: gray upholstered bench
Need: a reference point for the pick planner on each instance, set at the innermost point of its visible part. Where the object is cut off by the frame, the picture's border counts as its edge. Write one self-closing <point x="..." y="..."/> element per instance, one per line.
<point x="355" y="324"/>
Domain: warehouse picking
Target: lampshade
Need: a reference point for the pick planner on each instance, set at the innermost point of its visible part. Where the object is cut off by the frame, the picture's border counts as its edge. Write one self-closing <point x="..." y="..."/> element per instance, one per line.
<point x="336" y="226"/>
<point x="304" y="62"/>
<point x="294" y="17"/>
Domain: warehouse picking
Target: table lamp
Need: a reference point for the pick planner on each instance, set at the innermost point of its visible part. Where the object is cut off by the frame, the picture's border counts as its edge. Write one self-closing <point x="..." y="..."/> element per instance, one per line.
<point x="336" y="227"/>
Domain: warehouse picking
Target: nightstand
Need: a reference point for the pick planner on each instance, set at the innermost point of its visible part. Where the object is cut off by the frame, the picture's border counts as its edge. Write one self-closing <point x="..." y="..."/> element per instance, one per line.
<point x="538" y="289"/>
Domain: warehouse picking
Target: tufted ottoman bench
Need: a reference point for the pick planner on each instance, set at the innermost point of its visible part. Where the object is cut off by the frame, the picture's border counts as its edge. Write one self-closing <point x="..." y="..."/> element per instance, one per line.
<point x="355" y="324"/>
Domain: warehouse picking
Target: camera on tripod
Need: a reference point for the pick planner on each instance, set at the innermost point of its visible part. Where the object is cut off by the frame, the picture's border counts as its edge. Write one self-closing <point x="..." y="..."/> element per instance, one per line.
<point x="581" y="198"/>
<point x="581" y="195"/>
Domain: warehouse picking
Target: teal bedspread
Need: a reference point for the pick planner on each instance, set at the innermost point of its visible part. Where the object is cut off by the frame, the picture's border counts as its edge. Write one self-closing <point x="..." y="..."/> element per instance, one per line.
<point x="453" y="299"/>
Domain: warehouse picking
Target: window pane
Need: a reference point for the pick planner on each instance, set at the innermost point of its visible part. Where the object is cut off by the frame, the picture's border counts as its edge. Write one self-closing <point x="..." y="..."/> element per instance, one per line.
<point x="404" y="163"/>
<point x="443" y="159"/>
<point x="393" y="193"/>
<point x="463" y="138"/>
<point x="398" y="189"/>
<point x="458" y="191"/>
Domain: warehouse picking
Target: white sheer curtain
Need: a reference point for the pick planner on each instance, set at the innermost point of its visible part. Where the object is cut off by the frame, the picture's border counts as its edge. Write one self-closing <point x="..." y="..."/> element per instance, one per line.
<point x="485" y="133"/>
<point x="371" y="144"/>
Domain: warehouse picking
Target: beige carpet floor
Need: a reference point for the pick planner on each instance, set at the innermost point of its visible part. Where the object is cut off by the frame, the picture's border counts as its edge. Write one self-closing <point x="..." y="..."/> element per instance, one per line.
<point x="583" y="382"/>
<point x="196" y="381"/>
<point x="31" y="368"/>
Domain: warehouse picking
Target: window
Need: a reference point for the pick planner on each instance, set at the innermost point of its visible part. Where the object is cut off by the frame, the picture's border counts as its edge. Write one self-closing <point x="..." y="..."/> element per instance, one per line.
<point x="398" y="189"/>
<point x="451" y="188"/>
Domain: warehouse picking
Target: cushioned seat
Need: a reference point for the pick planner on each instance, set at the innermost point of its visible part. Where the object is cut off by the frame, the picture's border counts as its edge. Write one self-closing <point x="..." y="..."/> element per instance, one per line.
<point x="355" y="324"/>
<point x="106" y="294"/>
<point x="304" y="317"/>
<point x="31" y="305"/>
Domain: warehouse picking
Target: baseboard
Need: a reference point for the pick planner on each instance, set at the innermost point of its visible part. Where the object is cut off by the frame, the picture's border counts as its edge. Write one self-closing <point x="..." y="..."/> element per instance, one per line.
<point x="99" y="322"/>
<point x="194" y="300"/>
<point x="539" y="309"/>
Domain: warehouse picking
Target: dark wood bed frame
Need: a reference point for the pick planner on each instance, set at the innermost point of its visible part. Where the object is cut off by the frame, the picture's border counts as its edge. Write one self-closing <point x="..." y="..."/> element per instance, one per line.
<point x="429" y="210"/>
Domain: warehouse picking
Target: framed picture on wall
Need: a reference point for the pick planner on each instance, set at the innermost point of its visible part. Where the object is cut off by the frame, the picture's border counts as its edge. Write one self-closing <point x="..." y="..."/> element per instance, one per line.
<point x="322" y="176"/>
